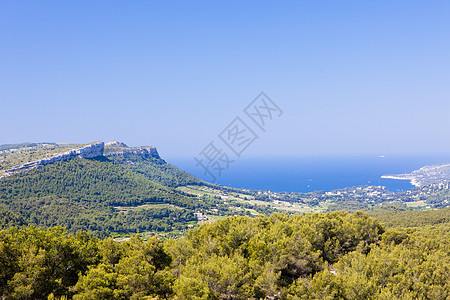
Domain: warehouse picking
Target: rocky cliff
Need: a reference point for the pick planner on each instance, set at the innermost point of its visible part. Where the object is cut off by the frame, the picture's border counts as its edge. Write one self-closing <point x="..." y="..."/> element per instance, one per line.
<point x="89" y="151"/>
<point x="151" y="151"/>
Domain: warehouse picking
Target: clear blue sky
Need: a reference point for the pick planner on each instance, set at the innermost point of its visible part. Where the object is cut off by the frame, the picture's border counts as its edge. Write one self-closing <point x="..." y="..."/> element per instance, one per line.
<point x="350" y="76"/>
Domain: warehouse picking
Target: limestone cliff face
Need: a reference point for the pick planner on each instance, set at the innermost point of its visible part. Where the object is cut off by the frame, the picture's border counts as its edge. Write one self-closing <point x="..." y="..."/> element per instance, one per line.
<point x="89" y="151"/>
<point x="151" y="151"/>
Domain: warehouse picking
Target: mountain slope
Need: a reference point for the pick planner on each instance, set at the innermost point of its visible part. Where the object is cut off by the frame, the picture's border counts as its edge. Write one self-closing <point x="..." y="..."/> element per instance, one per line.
<point x="107" y="189"/>
<point x="83" y="194"/>
<point x="156" y="169"/>
<point x="146" y="161"/>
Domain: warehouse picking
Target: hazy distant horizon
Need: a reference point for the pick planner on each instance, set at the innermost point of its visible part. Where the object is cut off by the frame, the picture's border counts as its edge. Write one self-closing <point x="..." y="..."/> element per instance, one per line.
<point x="311" y="173"/>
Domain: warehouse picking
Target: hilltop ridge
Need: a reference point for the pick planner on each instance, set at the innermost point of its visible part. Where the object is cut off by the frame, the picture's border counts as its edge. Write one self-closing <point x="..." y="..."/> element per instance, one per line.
<point x="89" y="151"/>
<point x="121" y="149"/>
<point x="36" y="155"/>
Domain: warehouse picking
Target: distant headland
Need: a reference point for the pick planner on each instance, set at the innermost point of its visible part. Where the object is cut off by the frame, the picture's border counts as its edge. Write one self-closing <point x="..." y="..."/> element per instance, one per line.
<point x="434" y="174"/>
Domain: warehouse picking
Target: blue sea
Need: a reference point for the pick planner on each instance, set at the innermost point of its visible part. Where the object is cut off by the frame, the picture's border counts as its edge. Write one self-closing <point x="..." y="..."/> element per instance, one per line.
<point x="325" y="173"/>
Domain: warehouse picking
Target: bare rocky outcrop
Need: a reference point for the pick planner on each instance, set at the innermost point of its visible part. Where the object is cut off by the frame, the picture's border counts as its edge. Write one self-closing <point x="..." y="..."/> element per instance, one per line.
<point x="89" y="151"/>
<point x="151" y="151"/>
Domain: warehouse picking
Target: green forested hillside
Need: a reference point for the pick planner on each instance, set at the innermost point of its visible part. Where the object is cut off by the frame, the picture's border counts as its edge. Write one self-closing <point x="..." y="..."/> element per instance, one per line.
<point x="121" y="194"/>
<point x="316" y="256"/>
<point x="156" y="169"/>
<point x="81" y="194"/>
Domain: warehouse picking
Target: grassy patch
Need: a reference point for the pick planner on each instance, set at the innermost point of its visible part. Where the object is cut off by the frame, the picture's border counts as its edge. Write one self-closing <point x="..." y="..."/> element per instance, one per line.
<point x="146" y="206"/>
<point x="416" y="204"/>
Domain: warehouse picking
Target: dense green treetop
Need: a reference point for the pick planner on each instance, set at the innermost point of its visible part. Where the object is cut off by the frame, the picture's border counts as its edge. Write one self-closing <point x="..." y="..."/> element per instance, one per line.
<point x="316" y="256"/>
